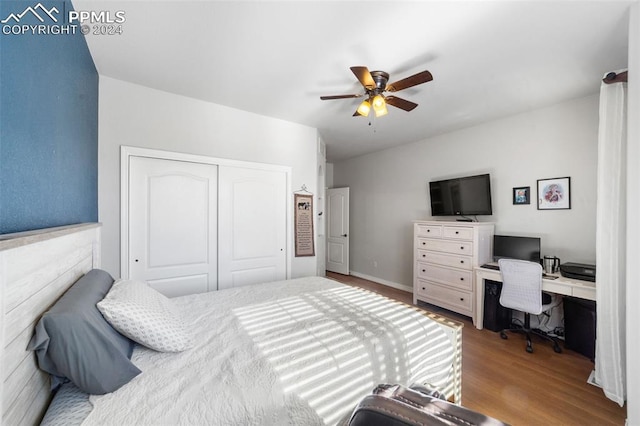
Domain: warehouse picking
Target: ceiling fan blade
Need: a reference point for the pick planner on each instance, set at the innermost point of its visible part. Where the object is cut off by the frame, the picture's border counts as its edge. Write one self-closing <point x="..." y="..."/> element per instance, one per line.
<point x="327" y="98"/>
<point x="364" y="77"/>
<point x="400" y="103"/>
<point x="414" y="80"/>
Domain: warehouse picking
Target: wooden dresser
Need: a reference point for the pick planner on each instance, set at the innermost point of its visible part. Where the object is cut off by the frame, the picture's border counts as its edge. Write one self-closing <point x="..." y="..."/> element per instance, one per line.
<point x="445" y="254"/>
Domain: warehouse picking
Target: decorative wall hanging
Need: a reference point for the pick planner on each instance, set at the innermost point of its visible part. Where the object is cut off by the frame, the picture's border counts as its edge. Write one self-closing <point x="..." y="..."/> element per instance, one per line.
<point x="522" y="195"/>
<point x="303" y="223"/>
<point x="554" y="194"/>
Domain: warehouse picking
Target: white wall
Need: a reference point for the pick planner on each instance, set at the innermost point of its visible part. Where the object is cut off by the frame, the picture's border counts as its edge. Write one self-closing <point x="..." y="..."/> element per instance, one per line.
<point x="321" y="240"/>
<point x="389" y="188"/>
<point x="138" y="116"/>
<point x="329" y="176"/>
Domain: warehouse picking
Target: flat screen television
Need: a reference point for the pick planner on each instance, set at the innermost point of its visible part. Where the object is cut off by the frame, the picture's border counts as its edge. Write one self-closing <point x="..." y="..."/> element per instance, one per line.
<point x="465" y="196"/>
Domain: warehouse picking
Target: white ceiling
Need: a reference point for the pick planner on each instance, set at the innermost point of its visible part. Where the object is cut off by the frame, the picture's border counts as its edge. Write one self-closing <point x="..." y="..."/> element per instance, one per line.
<point x="489" y="59"/>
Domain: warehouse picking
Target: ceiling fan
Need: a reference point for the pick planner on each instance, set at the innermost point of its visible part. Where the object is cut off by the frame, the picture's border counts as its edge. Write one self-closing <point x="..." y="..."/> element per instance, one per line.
<point x="375" y="84"/>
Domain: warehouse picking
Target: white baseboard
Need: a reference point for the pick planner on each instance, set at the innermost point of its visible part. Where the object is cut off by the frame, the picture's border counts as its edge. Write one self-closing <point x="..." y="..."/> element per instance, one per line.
<point x="381" y="281"/>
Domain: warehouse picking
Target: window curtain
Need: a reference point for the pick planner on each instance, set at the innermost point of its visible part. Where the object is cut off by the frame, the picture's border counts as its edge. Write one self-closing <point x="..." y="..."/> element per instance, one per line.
<point x="610" y="362"/>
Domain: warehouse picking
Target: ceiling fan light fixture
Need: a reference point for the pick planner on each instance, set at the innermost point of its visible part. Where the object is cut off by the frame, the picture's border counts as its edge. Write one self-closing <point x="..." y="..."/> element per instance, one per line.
<point x="379" y="106"/>
<point x="375" y="84"/>
<point x="364" y="108"/>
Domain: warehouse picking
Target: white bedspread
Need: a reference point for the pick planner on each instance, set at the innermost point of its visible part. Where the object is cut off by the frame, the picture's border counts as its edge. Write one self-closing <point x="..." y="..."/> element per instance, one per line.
<point x="298" y="352"/>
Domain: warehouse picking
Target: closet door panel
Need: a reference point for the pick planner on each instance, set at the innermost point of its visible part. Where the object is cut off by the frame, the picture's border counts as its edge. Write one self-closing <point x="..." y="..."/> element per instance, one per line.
<point x="173" y="224"/>
<point x="252" y="231"/>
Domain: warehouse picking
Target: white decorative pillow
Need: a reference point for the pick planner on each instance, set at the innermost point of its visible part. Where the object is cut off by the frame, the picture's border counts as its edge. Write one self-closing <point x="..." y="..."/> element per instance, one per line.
<point x="145" y="316"/>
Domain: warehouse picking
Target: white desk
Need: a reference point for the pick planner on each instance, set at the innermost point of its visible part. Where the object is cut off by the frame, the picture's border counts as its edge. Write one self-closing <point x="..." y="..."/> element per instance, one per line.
<point x="561" y="285"/>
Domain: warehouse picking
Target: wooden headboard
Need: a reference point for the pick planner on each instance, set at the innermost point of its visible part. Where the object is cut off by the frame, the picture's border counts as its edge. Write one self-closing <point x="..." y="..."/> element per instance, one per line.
<point x="36" y="268"/>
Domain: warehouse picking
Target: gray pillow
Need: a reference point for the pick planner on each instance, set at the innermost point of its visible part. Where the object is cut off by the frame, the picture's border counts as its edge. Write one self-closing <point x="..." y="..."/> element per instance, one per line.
<point x="73" y="340"/>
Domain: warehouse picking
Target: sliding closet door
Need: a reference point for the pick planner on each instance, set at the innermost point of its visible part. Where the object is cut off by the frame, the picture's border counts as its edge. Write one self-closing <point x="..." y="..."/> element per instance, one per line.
<point x="173" y="225"/>
<point x="252" y="231"/>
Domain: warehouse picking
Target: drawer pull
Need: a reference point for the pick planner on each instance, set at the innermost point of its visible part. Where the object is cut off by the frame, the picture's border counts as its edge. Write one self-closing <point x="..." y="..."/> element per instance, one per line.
<point x="424" y="255"/>
<point x="428" y="230"/>
<point x="424" y="270"/>
<point x="461" y="279"/>
<point x="424" y="244"/>
<point x="457" y="232"/>
<point x="461" y="247"/>
<point x="462" y="261"/>
<point x="423" y="288"/>
<point x="462" y="299"/>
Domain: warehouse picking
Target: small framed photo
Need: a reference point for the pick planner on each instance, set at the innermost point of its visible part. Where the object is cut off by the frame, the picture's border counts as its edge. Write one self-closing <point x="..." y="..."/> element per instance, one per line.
<point x="522" y="195"/>
<point x="554" y="194"/>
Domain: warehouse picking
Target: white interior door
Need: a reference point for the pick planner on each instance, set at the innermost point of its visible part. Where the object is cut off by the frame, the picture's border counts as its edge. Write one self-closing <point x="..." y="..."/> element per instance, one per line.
<point x="173" y="225"/>
<point x="252" y="237"/>
<point x="337" y="208"/>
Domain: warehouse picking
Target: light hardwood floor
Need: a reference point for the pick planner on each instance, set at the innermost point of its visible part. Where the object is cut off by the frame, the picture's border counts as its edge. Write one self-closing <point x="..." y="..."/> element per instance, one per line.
<point x="502" y="380"/>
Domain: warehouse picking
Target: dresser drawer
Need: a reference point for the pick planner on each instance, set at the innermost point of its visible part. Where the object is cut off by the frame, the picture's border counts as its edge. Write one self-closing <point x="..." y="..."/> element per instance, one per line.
<point x="431" y="231"/>
<point x="458" y="232"/>
<point x="455" y="278"/>
<point x="453" y="247"/>
<point x="456" y="261"/>
<point x="457" y="300"/>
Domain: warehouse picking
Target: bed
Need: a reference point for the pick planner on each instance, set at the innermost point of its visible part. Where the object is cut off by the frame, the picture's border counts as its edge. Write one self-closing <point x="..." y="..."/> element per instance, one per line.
<point x="301" y="351"/>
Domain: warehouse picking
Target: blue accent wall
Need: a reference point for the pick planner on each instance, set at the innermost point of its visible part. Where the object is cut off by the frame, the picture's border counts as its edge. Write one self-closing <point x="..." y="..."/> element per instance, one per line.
<point x="48" y="126"/>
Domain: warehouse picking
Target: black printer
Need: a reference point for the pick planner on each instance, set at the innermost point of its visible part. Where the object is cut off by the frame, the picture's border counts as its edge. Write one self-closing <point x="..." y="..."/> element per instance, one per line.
<point x="578" y="271"/>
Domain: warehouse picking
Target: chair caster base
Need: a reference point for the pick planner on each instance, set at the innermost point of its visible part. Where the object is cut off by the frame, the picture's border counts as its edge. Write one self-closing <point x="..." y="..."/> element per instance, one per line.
<point x="529" y="333"/>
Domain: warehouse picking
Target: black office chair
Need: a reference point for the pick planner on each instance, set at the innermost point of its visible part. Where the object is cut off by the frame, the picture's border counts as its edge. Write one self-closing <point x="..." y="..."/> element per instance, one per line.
<point x="522" y="290"/>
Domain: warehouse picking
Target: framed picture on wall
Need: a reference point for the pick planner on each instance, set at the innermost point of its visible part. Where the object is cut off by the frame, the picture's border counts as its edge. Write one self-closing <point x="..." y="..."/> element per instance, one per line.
<point x="303" y="225"/>
<point x="522" y="195"/>
<point x="554" y="194"/>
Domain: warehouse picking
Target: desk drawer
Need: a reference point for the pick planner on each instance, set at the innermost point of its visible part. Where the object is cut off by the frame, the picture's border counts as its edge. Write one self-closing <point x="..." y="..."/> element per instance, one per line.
<point x="555" y="287"/>
<point x="453" y="247"/>
<point x="455" y="261"/>
<point x="458" y="232"/>
<point x="457" y="300"/>
<point x="458" y="278"/>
